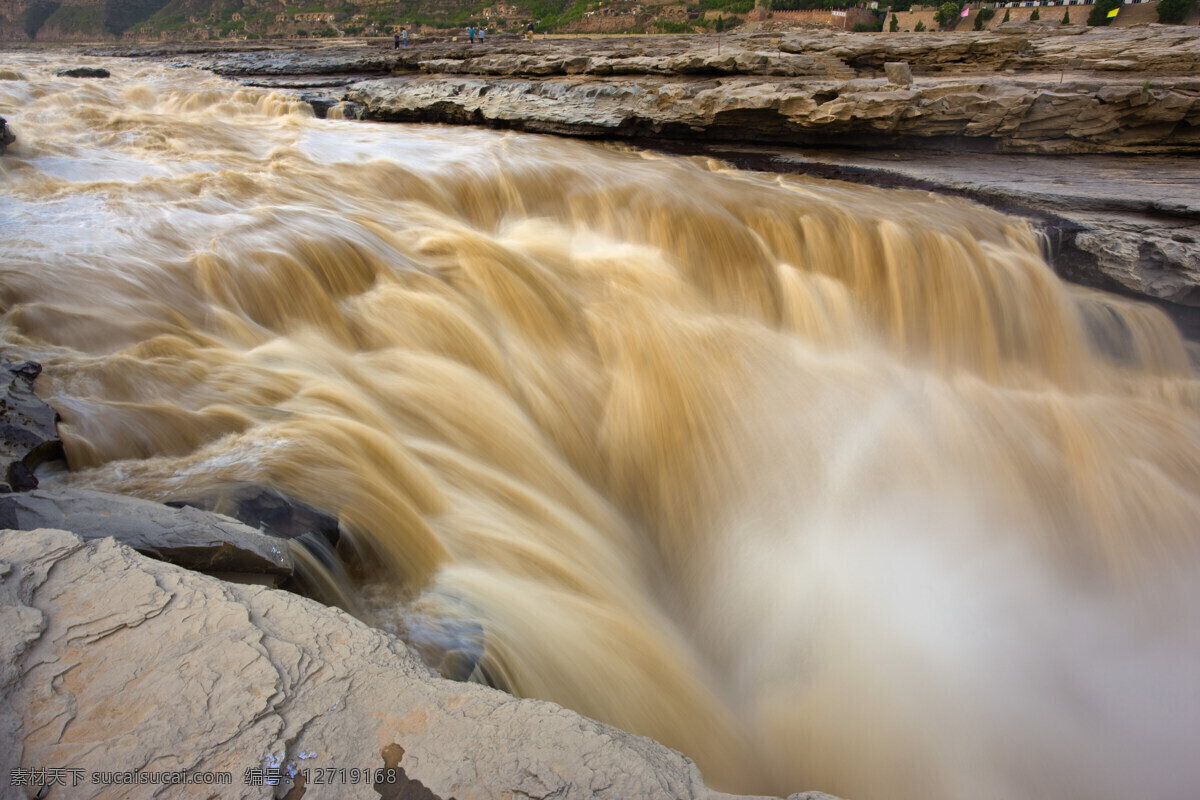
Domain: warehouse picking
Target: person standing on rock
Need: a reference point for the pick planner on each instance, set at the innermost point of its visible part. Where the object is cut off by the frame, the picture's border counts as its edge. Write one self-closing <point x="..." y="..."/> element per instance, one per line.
<point x="529" y="32"/>
<point x="471" y="34"/>
<point x="481" y="35"/>
<point x="396" y="42"/>
<point x="404" y="36"/>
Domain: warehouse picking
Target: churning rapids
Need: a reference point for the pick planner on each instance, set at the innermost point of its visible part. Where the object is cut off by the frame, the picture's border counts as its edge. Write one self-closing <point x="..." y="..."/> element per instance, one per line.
<point x="827" y="487"/>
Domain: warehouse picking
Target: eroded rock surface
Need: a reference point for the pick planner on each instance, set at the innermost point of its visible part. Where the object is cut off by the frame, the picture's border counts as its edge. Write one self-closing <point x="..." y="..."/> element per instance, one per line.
<point x="110" y="661"/>
<point x="990" y="114"/>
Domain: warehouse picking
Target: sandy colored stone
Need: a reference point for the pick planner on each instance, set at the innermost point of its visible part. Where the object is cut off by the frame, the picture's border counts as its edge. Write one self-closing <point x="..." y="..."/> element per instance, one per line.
<point x="112" y="661"/>
<point x="898" y="72"/>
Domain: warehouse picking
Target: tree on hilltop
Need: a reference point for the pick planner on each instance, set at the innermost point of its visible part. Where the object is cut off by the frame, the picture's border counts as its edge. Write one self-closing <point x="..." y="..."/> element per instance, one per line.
<point x="946" y="14"/>
<point x="1174" y="12"/>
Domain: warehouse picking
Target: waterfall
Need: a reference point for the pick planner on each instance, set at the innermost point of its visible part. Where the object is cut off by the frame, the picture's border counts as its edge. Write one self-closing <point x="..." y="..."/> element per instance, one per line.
<point x="825" y="486"/>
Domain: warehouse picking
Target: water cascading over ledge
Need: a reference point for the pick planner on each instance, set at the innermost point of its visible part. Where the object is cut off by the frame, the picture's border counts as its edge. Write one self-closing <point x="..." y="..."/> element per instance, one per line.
<point x="822" y="485"/>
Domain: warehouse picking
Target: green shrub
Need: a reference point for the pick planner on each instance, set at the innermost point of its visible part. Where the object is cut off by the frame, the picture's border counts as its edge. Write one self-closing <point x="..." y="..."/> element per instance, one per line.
<point x="946" y="14"/>
<point x="1067" y="17"/>
<point x="894" y="25"/>
<point x="667" y="26"/>
<point x="983" y="16"/>
<point x="1035" y="16"/>
<point x="1174" y="12"/>
<point x="920" y="26"/>
<point x="1099" y="15"/>
<point x="1007" y="15"/>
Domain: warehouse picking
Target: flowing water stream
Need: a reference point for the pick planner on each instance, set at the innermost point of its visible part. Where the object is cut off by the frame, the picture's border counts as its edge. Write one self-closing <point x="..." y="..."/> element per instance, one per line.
<point x="827" y="487"/>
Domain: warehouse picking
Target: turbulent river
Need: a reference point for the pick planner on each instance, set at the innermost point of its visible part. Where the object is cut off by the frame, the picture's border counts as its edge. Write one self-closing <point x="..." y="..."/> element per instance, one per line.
<point x="827" y="487"/>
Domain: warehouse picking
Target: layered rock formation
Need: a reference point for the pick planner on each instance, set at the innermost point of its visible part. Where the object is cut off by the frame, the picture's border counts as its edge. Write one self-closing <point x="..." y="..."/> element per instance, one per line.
<point x="112" y="662"/>
<point x="1028" y="116"/>
<point x="1019" y="90"/>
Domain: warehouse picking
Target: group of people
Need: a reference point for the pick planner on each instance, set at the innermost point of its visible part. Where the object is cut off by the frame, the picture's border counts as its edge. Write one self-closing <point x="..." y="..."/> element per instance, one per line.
<point x="401" y="38"/>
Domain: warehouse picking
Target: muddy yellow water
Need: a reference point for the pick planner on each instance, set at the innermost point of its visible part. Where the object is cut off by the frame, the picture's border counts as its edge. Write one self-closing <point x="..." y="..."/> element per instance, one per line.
<point x="827" y="487"/>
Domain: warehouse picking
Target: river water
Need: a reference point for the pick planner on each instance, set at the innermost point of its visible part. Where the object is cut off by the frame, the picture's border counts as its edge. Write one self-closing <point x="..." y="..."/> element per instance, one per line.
<point x="827" y="487"/>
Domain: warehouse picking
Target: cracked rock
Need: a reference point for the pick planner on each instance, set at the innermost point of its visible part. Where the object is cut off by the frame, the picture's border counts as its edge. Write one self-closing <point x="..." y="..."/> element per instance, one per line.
<point x="116" y="662"/>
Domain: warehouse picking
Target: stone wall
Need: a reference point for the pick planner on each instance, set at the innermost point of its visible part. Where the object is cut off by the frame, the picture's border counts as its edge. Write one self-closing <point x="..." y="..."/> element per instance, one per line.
<point x="840" y="18"/>
<point x="1048" y="12"/>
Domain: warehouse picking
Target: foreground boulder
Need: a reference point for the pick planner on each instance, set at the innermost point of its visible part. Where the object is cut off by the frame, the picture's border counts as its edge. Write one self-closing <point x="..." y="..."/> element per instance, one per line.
<point x="28" y="427"/>
<point x="186" y="536"/>
<point x="112" y="662"/>
<point x="7" y="137"/>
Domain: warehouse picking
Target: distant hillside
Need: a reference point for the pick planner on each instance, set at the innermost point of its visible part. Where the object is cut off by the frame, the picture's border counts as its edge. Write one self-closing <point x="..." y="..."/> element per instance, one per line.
<point x="100" y="20"/>
<point x="182" y="20"/>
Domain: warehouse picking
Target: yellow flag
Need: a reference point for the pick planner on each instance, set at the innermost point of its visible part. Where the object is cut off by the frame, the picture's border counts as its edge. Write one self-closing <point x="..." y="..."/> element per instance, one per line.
<point x="1113" y="13"/>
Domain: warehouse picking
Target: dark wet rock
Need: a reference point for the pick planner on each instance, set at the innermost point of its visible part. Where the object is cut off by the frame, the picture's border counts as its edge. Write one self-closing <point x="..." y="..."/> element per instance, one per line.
<point x="265" y="509"/>
<point x="187" y="537"/>
<point x="451" y="647"/>
<point x="321" y="103"/>
<point x="28" y="429"/>
<point x="7" y="137"/>
<point x="84" y="72"/>
<point x="325" y="105"/>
